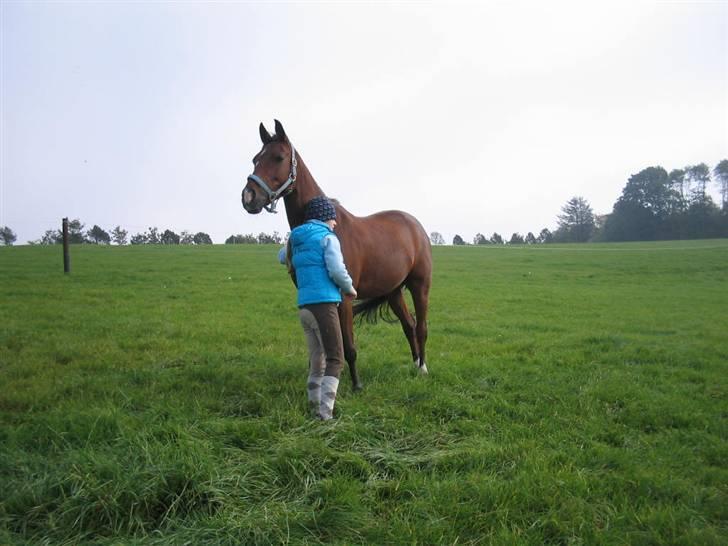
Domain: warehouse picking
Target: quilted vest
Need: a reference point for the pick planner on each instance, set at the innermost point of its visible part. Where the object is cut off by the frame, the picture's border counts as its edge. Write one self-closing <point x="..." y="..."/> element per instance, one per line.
<point x="312" y="278"/>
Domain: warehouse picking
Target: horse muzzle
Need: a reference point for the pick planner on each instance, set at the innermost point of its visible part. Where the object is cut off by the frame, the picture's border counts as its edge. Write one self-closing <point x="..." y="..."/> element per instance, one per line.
<point x="249" y="200"/>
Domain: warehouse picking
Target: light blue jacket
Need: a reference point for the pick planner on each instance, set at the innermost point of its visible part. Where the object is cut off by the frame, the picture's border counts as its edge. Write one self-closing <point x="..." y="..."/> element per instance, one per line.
<point x="319" y="264"/>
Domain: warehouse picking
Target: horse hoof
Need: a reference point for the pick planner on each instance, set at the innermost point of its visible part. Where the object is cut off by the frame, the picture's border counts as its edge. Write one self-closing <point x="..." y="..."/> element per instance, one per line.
<point x="423" y="369"/>
<point x="358" y="387"/>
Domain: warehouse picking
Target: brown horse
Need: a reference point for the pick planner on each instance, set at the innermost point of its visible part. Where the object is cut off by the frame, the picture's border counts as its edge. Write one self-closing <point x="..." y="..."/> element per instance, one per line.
<point x="384" y="252"/>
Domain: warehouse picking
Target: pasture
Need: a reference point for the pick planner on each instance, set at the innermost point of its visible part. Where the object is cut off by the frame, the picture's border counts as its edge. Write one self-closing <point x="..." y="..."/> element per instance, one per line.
<point x="156" y="395"/>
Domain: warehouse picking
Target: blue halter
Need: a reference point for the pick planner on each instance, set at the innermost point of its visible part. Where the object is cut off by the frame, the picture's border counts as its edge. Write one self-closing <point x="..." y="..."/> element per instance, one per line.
<point x="285" y="189"/>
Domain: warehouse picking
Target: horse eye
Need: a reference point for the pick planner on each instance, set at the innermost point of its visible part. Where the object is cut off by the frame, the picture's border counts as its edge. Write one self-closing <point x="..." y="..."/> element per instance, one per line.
<point x="279" y="158"/>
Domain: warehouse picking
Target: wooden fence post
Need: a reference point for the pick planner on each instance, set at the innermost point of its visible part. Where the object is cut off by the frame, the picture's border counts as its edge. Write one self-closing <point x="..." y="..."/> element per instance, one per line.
<point x="66" y="255"/>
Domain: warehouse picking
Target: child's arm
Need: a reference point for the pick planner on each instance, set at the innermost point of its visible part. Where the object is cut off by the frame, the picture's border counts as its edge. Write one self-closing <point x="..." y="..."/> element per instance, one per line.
<point x="285" y="254"/>
<point x="335" y="265"/>
<point x="285" y="257"/>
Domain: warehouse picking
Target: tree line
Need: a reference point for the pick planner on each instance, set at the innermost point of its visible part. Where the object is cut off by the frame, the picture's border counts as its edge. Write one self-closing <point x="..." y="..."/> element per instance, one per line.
<point x="657" y="205"/>
<point x="119" y="236"/>
<point x="654" y="205"/>
<point x="260" y="239"/>
<point x="545" y="236"/>
<point x="77" y="234"/>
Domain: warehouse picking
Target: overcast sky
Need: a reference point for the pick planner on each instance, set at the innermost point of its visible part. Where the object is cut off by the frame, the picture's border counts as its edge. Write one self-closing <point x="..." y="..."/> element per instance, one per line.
<point x="474" y="118"/>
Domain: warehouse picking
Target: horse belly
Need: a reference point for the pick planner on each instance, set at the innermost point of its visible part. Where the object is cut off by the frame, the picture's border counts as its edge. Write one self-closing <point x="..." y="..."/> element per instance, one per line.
<point x="382" y="276"/>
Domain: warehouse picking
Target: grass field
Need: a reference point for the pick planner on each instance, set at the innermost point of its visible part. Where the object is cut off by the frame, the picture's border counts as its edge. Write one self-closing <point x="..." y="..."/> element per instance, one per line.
<point x="577" y="395"/>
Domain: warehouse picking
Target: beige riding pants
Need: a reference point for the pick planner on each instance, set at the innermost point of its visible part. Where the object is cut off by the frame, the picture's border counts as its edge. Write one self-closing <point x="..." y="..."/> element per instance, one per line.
<point x="321" y="327"/>
<point x="325" y="352"/>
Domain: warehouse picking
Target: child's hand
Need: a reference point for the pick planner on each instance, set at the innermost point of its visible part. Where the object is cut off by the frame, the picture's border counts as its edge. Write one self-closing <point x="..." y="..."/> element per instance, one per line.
<point x="352" y="293"/>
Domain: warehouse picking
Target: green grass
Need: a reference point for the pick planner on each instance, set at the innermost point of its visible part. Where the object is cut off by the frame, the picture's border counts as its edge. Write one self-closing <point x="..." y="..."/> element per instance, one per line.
<point x="577" y="395"/>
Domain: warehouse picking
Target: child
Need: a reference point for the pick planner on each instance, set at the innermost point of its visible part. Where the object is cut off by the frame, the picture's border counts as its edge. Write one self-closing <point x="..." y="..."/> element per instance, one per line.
<point x="320" y="274"/>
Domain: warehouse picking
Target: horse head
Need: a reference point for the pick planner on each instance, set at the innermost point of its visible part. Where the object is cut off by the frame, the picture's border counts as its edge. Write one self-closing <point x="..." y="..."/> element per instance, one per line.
<point x="274" y="172"/>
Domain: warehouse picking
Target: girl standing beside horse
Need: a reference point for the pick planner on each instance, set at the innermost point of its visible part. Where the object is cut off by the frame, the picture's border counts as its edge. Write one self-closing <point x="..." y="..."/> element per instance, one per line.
<point x="320" y="276"/>
<point x="385" y="252"/>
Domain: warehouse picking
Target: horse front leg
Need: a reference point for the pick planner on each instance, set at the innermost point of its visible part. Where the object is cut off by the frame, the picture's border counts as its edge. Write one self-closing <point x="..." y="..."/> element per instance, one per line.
<point x="346" y="318"/>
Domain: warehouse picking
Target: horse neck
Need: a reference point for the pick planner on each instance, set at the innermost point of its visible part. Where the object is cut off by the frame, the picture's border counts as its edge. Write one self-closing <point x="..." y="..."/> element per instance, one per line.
<point x="306" y="189"/>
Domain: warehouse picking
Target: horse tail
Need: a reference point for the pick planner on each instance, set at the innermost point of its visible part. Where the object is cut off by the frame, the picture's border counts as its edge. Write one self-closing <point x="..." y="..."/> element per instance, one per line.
<point x="374" y="309"/>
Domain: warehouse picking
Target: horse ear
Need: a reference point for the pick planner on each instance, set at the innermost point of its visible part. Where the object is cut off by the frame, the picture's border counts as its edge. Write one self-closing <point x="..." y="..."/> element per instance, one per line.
<point x="280" y="132"/>
<point x="265" y="136"/>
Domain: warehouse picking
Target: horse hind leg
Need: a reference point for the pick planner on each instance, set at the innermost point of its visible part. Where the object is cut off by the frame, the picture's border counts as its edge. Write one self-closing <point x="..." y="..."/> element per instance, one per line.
<point x="420" y="290"/>
<point x="399" y="306"/>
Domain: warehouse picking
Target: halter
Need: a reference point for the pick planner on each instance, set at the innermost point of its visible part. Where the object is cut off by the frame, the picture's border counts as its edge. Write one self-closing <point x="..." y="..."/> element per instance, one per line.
<point x="285" y="189"/>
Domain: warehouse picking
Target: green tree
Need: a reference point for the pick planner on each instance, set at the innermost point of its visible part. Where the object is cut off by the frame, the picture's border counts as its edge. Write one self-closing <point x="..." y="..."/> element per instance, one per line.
<point x="55" y="236"/>
<point x="642" y="212"/>
<point x="186" y="238"/>
<point x="169" y="237"/>
<point x="702" y="219"/>
<point x="678" y="183"/>
<point x="699" y="176"/>
<point x="75" y="232"/>
<point x="239" y="239"/>
<point x="545" y="236"/>
<point x="202" y="238"/>
<point x="516" y="239"/>
<point x="51" y="237"/>
<point x="496" y="239"/>
<point x="576" y="221"/>
<point x="436" y="238"/>
<point x="720" y="174"/>
<point x="118" y="235"/>
<point x="139" y="239"/>
<point x="265" y="239"/>
<point x="480" y="239"/>
<point x="652" y="190"/>
<point x="152" y="236"/>
<point x="530" y="239"/>
<point x="98" y="236"/>
<point x="457" y="240"/>
<point x="7" y="236"/>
